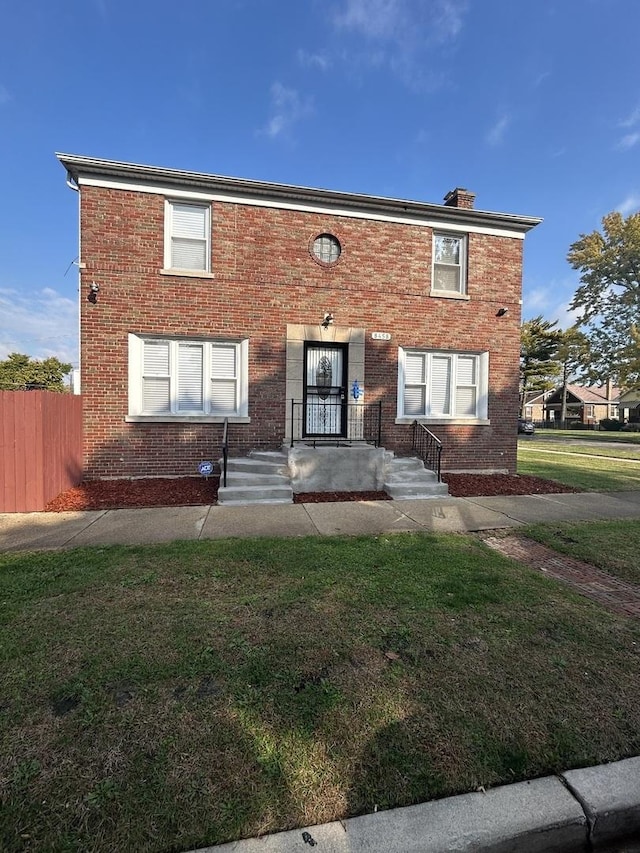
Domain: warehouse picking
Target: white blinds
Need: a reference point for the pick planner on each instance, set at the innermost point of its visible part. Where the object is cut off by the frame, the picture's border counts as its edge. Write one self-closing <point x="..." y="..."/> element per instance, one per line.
<point x="155" y="378"/>
<point x="440" y="385"/>
<point x="190" y="373"/>
<point x="223" y="379"/>
<point x="189" y="237"/>
<point x="190" y="378"/>
<point x="466" y="386"/>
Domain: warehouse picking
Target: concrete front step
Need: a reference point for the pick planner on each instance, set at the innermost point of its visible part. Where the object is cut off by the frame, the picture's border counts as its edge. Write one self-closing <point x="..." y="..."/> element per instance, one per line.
<point x="260" y="478"/>
<point x="258" y="494"/>
<point x="407" y="478"/>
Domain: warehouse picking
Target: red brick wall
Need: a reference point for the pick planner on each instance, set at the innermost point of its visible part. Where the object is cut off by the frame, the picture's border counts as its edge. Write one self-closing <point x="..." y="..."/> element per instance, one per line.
<point x="265" y="277"/>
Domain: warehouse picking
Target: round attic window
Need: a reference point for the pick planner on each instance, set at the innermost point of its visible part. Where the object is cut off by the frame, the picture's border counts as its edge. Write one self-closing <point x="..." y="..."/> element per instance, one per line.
<point x="326" y="248"/>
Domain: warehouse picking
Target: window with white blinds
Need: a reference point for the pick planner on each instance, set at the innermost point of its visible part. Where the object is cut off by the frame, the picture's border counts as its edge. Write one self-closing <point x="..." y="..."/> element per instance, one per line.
<point x="442" y="384"/>
<point x="187" y="378"/>
<point x="449" y="263"/>
<point x="187" y="244"/>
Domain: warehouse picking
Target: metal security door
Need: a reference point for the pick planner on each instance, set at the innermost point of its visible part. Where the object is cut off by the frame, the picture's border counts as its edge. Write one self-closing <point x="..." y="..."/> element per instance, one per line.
<point x="325" y="390"/>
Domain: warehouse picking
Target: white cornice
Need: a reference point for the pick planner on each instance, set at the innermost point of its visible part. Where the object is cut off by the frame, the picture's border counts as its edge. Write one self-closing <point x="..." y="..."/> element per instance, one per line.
<point x="230" y="198"/>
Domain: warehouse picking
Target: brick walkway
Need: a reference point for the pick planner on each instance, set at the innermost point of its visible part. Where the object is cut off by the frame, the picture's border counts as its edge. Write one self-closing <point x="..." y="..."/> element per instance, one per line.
<point x="615" y="594"/>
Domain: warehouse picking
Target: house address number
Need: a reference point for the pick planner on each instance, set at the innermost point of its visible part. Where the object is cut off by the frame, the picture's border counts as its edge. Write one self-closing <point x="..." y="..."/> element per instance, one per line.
<point x="380" y="336"/>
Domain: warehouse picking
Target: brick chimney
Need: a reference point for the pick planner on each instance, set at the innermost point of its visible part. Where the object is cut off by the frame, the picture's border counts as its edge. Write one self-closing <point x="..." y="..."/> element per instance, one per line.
<point x="460" y="198"/>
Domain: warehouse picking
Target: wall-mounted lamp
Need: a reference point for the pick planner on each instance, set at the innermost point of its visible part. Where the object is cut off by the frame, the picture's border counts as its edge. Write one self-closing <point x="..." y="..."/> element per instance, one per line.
<point x="502" y="312"/>
<point x="94" y="289"/>
<point x="327" y="321"/>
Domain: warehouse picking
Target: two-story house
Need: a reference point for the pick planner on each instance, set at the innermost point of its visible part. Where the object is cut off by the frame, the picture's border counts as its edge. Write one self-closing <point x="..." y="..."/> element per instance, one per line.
<point x="298" y="316"/>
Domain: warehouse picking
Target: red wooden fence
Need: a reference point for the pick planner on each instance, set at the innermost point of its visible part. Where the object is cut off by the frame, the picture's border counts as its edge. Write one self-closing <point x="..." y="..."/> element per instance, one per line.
<point x="40" y="447"/>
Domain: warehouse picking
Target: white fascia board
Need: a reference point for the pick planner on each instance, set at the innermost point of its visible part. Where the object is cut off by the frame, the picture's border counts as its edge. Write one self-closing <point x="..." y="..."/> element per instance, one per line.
<point x="194" y="195"/>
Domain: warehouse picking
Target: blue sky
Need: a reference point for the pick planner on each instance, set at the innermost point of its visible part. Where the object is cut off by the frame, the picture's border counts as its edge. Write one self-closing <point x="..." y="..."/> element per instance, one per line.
<point x="533" y="106"/>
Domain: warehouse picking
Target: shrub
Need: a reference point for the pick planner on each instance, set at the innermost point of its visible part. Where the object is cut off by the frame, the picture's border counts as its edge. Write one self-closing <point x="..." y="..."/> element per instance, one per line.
<point x="611" y="424"/>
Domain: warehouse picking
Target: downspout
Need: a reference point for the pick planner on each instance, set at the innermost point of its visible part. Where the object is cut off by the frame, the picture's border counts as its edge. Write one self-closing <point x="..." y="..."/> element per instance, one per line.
<point x="72" y="184"/>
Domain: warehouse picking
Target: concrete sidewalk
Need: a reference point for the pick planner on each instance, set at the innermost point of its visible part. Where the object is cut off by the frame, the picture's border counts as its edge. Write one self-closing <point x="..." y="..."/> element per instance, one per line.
<point x="42" y="530"/>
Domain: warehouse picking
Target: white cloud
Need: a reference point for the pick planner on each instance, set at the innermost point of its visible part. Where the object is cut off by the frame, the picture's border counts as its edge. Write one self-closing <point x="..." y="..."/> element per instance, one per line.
<point x="629" y="140"/>
<point x="632" y="119"/>
<point x="631" y="204"/>
<point x="40" y="323"/>
<point x="287" y="109"/>
<point x="313" y="60"/>
<point x="403" y="35"/>
<point x="495" y="134"/>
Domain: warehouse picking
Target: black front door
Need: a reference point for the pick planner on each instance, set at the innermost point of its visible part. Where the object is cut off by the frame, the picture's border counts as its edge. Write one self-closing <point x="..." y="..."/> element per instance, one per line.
<point x="325" y="389"/>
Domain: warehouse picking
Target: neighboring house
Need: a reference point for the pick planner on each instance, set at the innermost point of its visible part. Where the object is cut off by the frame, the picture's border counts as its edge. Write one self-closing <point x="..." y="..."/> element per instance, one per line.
<point x="534" y="405"/>
<point x="630" y="404"/>
<point x="205" y="298"/>
<point x="586" y="404"/>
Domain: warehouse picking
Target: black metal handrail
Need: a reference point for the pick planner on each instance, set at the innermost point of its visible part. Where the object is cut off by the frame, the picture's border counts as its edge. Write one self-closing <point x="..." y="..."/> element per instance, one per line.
<point x="225" y="451"/>
<point x="428" y="447"/>
<point x="328" y="422"/>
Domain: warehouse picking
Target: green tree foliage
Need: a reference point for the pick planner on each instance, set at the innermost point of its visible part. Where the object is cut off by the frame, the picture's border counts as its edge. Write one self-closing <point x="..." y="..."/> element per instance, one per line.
<point x="539" y="342"/>
<point x="573" y="357"/>
<point x="22" y="373"/>
<point x="608" y="297"/>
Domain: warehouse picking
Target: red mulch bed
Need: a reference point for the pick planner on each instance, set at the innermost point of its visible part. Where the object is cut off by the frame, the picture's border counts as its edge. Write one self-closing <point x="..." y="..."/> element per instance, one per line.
<point x="324" y="497"/>
<point x="195" y="491"/>
<point x="484" y="485"/>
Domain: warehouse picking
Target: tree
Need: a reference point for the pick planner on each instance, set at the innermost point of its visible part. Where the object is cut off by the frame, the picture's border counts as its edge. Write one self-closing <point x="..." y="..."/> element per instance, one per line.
<point x="609" y="297"/>
<point x="22" y="373"/>
<point x="573" y="357"/>
<point x="539" y="342"/>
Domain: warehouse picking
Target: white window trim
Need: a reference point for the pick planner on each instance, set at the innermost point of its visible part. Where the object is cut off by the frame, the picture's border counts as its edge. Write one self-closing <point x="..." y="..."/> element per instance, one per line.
<point x="482" y="384"/>
<point x="136" y="414"/>
<point x="168" y="233"/>
<point x="461" y="293"/>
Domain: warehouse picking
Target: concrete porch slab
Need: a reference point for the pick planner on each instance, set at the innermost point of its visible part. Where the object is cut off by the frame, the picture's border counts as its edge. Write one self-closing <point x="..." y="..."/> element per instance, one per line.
<point x="42" y="530"/>
<point x="365" y="518"/>
<point x="257" y="520"/>
<point x="144" y="526"/>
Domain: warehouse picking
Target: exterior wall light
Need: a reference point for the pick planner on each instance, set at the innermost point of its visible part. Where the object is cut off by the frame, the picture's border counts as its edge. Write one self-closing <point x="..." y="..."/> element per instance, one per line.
<point x="94" y="289"/>
<point x="502" y="312"/>
<point x="327" y="321"/>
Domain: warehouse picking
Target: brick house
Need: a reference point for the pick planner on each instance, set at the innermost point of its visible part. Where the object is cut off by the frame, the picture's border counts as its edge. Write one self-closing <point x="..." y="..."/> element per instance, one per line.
<point x="296" y="314"/>
<point x="586" y="404"/>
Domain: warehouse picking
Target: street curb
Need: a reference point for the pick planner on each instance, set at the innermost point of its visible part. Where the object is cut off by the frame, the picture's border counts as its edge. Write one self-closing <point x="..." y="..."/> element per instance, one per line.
<point x="578" y="810"/>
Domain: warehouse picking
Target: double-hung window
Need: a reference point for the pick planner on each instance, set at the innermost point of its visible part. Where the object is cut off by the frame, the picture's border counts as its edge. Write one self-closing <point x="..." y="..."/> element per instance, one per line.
<point x="442" y="385"/>
<point x="449" y="264"/>
<point x="174" y="378"/>
<point x="187" y="236"/>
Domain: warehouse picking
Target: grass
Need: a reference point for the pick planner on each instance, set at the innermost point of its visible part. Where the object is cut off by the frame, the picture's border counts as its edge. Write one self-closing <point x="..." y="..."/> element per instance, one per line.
<point x="612" y="546"/>
<point x="169" y="697"/>
<point x="580" y="471"/>
<point x="605" y="450"/>
<point x="590" y="435"/>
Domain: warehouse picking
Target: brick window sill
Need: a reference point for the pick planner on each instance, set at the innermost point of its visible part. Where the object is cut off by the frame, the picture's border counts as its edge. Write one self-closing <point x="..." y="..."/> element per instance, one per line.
<point x="187" y="273"/>
<point x="445" y="294"/>
<point x="446" y="421"/>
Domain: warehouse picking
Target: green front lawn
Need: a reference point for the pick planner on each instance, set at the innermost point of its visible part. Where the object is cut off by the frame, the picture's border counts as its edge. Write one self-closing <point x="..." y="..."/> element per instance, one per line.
<point x="589" y="435"/>
<point x="170" y="697"/>
<point x="613" y="546"/>
<point x="580" y="471"/>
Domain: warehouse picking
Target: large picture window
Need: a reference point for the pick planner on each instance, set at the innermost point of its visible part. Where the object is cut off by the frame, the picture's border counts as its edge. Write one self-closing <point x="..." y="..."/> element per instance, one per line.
<point x="449" y="264"/>
<point x="175" y="378"/>
<point x="187" y="236"/>
<point x="442" y="385"/>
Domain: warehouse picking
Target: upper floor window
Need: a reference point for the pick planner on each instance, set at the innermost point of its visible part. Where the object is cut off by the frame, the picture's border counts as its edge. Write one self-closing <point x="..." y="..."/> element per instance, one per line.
<point x="326" y="248"/>
<point x="187" y="236"/>
<point x="449" y="264"/>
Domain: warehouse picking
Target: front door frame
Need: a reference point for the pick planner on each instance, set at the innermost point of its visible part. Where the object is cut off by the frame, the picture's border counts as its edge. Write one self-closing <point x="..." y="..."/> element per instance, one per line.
<point x="297" y="334"/>
<point x="338" y="390"/>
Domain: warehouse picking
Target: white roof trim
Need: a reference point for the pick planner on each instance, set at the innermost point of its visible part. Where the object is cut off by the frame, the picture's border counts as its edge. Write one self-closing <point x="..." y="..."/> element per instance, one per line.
<point x="172" y="192"/>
